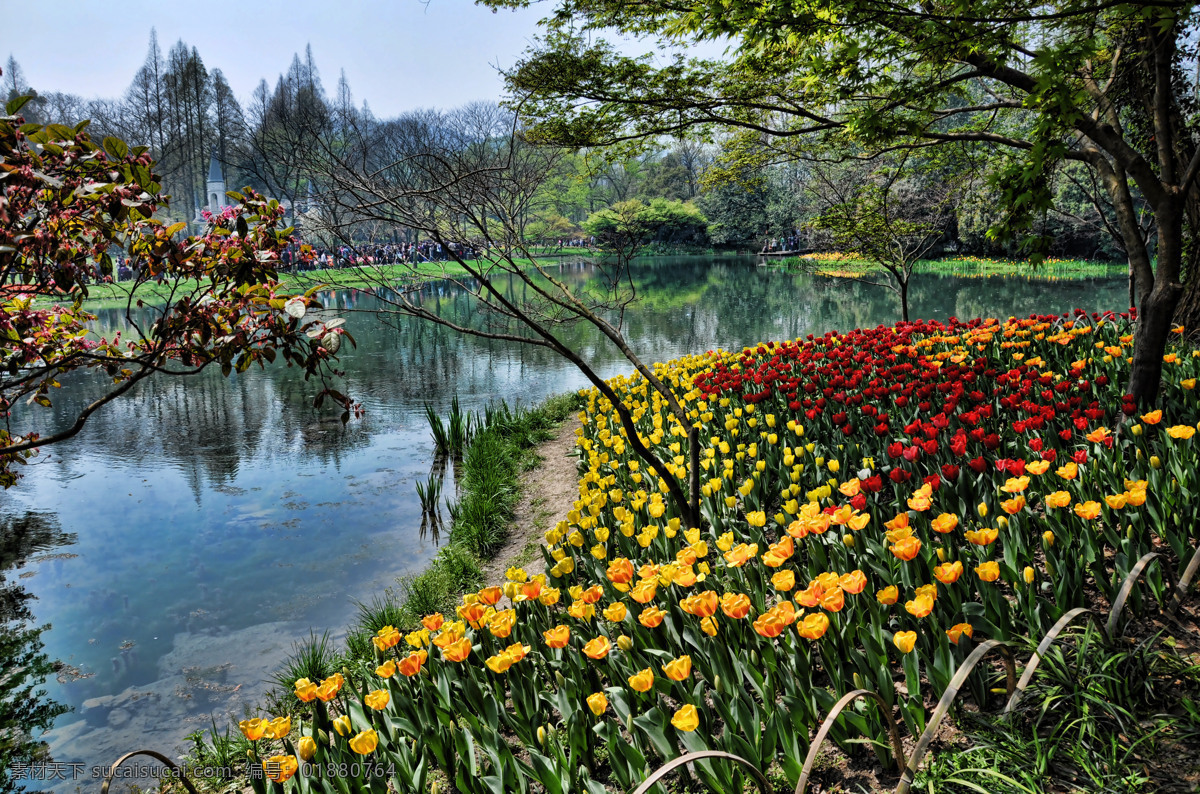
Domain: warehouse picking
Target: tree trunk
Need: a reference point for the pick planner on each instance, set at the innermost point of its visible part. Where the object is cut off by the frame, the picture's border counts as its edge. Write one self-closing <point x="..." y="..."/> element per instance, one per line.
<point x="904" y="299"/>
<point x="1157" y="310"/>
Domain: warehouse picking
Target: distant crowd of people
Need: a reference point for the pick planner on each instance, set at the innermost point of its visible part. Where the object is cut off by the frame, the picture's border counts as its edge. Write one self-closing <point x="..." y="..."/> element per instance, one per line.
<point x="791" y="242"/>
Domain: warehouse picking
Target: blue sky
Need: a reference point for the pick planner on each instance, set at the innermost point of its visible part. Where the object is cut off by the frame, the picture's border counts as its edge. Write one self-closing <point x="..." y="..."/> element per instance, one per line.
<point x="397" y="55"/>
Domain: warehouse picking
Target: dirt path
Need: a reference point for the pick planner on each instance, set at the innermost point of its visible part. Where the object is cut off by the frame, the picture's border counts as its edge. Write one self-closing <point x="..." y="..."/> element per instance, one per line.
<point x="547" y="493"/>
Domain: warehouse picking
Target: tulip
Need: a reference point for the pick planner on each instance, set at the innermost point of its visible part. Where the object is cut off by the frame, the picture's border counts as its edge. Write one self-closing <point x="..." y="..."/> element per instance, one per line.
<point x="365" y="742"/>
<point x="598" y="703"/>
<point x="783" y="580"/>
<point x="411" y="665"/>
<point x="813" y="627"/>
<point x="686" y="719"/>
<point x="906" y="548"/>
<point x="920" y="606"/>
<point x="377" y="699"/>
<point x="457" y="651"/>
<point x="253" y="729"/>
<point x="306" y="747"/>
<point x="305" y="690"/>
<point x="1087" y="510"/>
<point x="1181" y="431"/>
<point x="709" y="626"/>
<point x="1048" y="537"/>
<point x="948" y="573"/>
<point x="642" y="680"/>
<point x="625" y="643"/>
<point x="651" y="617"/>
<point x="342" y="725"/>
<point x="735" y="605"/>
<point x="279" y="727"/>
<point x="1030" y="574"/>
<point x="557" y="637"/>
<point x="386" y="670"/>
<point x="597" y="648"/>
<point x="888" y="595"/>
<point x="853" y="582"/>
<point x="944" y="523"/>
<point x="958" y="630"/>
<point x="988" y="571"/>
<point x="905" y="641"/>
<point x="490" y="595"/>
<point x="280" y="767"/>
<point x="615" y="612"/>
<point x="982" y="509"/>
<point x="678" y="669"/>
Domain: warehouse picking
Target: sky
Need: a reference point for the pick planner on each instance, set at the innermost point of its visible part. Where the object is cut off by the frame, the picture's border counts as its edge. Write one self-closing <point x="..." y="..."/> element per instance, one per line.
<point x="397" y="55"/>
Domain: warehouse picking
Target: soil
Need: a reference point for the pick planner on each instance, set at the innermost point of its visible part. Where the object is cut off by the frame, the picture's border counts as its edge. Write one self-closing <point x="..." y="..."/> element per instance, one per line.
<point x="547" y="492"/>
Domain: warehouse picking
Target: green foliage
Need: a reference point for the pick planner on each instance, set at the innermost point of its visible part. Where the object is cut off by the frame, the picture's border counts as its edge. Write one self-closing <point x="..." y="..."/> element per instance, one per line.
<point x="661" y="220"/>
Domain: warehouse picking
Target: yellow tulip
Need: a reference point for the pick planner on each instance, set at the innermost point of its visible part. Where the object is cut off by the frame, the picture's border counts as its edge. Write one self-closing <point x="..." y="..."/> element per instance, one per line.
<point x="307" y="747"/>
<point x="678" y="669"/>
<point x="686" y="719"/>
<point x="253" y="729"/>
<point x="378" y="699"/>
<point x="342" y="725"/>
<point x="280" y="767"/>
<point x="598" y="703"/>
<point x="905" y="641"/>
<point x="365" y="742"/>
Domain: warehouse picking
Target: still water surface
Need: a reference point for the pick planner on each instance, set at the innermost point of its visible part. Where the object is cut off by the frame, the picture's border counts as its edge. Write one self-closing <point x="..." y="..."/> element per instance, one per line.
<point x="205" y="525"/>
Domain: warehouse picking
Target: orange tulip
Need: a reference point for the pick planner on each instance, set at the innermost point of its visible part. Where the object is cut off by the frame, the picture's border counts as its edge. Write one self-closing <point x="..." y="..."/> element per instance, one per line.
<point x="491" y="595"/>
<point x="678" y="669"/>
<point x="651" y="617"/>
<point x="557" y="637"/>
<point x="701" y="605"/>
<point x="411" y="665"/>
<point x="643" y="592"/>
<point x="853" y="582"/>
<point x="1152" y="418"/>
<point x="457" y="651"/>
<point x="945" y="523"/>
<point x="740" y="554"/>
<point x="906" y="548"/>
<point x="833" y="600"/>
<point x="814" y="626"/>
<point x="1058" y="499"/>
<point x="735" y="605"/>
<point x="620" y="571"/>
<point x="810" y="597"/>
<point x="783" y="580"/>
<point x="597" y="648"/>
<point x="305" y="690"/>
<point x="1087" y="510"/>
<point x="920" y="606"/>
<point x="1013" y="506"/>
<point x="982" y="537"/>
<point x="888" y="595"/>
<point x="433" y="622"/>
<point x="948" y="572"/>
<point x="769" y="625"/>
<point x="988" y="571"/>
<point x="592" y="594"/>
<point x="958" y="630"/>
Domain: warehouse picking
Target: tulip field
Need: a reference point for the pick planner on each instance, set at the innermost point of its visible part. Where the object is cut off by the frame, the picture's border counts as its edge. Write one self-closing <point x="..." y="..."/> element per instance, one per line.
<point x="875" y="505"/>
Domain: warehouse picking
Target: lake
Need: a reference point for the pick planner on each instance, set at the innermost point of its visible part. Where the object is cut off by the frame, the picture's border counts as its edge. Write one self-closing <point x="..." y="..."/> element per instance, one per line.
<point x="195" y="530"/>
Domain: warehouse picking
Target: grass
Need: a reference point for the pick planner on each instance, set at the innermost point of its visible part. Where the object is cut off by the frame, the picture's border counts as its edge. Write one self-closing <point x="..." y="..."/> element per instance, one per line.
<point x="1097" y="717"/>
<point x="848" y="266"/>
<point x="117" y="296"/>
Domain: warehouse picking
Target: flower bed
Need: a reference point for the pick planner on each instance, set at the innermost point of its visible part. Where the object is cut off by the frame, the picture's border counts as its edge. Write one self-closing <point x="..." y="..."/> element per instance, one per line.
<point x="874" y="503"/>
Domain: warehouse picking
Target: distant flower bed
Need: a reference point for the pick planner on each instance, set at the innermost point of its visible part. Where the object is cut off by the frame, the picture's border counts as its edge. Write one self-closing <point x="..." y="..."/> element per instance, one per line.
<point x="874" y="503"/>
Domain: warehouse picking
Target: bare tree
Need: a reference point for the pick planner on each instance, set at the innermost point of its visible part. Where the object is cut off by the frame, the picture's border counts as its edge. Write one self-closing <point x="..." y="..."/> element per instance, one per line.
<point x="889" y="219"/>
<point x="469" y="182"/>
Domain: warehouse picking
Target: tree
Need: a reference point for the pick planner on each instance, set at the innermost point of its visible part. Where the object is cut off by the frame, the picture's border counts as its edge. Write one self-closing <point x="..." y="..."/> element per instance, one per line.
<point x="1108" y="85"/>
<point x="68" y="209"/>
<point x="469" y="182"/>
<point x="626" y="226"/>
<point x="888" y="221"/>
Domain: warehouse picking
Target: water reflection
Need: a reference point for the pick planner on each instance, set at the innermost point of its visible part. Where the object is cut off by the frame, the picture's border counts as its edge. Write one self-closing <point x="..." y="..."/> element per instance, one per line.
<point x="25" y="710"/>
<point x="218" y="520"/>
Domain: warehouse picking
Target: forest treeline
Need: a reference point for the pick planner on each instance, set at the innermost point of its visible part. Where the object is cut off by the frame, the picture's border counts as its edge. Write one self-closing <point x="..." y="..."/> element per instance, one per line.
<point x="695" y="192"/>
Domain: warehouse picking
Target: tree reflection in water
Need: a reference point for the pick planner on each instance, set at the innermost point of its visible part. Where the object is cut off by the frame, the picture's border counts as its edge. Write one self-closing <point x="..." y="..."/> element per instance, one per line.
<point x="25" y="710"/>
